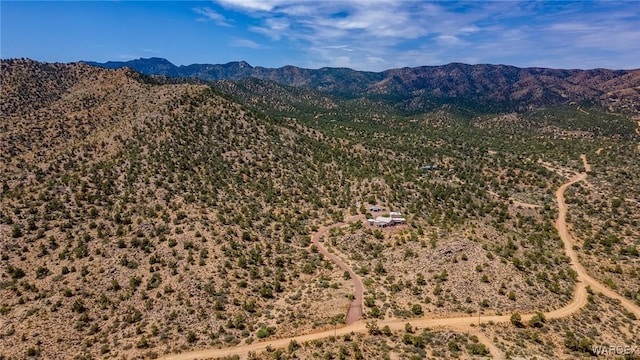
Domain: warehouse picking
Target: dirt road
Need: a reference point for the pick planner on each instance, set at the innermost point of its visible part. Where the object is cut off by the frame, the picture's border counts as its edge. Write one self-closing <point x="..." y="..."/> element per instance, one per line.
<point x="587" y="166"/>
<point x="355" y="309"/>
<point x="583" y="277"/>
<point x="461" y="324"/>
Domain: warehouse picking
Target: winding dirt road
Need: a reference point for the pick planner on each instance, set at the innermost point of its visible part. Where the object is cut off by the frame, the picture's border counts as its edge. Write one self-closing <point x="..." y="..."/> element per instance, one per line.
<point x="460" y="324"/>
<point x="584" y="278"/>
<point x="355" y="309"/>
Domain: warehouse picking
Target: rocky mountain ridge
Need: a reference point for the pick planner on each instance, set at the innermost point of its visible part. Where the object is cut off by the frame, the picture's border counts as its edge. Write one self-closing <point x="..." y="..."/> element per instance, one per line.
<point x="485" y="87"/>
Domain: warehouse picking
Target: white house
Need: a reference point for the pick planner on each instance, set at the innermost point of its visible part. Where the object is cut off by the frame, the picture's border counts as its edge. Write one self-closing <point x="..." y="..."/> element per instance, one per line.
<point x="394" y="218"/>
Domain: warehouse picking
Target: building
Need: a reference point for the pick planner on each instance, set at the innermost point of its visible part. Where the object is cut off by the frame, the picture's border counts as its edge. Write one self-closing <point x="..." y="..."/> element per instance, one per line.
<point x="394" y="218"/>
<point x="428" y="167"/>
<point x="381" y="221"/>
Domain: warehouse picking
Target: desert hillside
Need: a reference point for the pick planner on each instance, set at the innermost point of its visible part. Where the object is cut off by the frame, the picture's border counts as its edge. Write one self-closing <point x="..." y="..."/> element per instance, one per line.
<point x="139" y="217"/>
<point x="145" y="216"/>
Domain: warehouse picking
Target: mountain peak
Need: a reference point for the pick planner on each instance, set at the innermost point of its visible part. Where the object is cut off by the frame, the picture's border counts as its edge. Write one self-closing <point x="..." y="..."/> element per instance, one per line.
<point x="156" y="60"/>
<point x="238" y="64"/>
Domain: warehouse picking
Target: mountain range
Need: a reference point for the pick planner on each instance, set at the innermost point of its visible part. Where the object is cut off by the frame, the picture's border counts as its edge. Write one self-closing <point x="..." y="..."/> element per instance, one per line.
<point x="483" y="87"/>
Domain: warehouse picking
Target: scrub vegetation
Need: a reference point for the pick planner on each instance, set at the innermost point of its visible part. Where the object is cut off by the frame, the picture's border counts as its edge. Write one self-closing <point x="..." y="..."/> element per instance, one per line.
<point x="143" y="216"/>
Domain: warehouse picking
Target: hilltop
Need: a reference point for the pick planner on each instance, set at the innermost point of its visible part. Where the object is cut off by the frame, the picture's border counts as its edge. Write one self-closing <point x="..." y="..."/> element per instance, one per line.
<point x="143" y="215"/>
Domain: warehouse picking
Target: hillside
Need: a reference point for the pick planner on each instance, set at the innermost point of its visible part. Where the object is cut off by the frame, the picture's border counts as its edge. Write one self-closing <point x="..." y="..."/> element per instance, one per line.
<point x="144" y="216"/>
<point x="484" y="87"/>
<point x="134" y="213"/>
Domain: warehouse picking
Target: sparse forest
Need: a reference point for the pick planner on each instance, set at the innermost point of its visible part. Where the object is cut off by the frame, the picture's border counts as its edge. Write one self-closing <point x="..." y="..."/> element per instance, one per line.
<point x="143" y="216"/>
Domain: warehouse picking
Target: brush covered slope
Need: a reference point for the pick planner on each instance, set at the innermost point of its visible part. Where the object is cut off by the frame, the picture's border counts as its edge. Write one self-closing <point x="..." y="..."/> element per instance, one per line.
<point x="144" y="216"/>
<point x="139" y="217"/>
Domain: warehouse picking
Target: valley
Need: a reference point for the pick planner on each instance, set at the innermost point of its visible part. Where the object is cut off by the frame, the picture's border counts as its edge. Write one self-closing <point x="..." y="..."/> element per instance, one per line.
<point x="152" y="217"/>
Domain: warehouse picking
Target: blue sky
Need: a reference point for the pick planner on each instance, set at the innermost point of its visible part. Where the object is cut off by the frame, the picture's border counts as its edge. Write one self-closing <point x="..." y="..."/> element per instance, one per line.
<point x="360" y="34"/>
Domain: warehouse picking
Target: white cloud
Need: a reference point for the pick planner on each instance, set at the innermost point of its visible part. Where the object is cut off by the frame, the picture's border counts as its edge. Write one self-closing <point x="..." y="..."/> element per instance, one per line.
<point x="574" y="27"/>
<point x="246" y="43"/>
<point x="450" y="40"/>
<point x="469" y="29"/>
<point x="339" y="47"/>
<point x="209" y="14"/>
<point x="378" y="34"/>
<point x="254" y="5"/>
<point x="275" y="28"/>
